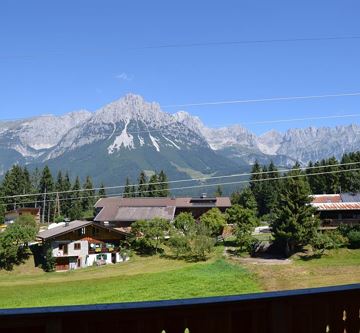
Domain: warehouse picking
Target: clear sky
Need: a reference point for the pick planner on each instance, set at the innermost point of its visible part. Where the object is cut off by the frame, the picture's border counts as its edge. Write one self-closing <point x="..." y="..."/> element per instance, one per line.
<point x="60" y="56"/>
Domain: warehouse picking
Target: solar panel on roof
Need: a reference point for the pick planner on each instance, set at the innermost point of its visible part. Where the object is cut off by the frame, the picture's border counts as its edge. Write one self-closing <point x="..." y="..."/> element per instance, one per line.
<point x="350" y="197"/>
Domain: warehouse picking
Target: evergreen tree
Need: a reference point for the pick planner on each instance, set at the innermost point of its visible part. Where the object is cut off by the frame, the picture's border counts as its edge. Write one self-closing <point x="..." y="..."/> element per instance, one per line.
<point x="271" y="189"/>
<point x="153" y="186"/>
<point x="142" y="187"/>
<point x="102" y="191"/>
<point x="2" y="207"/>
<point x="133" y="192"/>
<point x="256" y="186"/>
<point x="127" y="188"/>
<point x="218" y="191"/>
<point x="163" y="185"/>
<point x="46" y="186"/>
<point x="245" y="199"/>
<point x="88" y="195"/>
<point x="294" y="225"/>
<point x="66" y="202"/>
<point x="75" y="212"/>
<point x="350" y="180"/>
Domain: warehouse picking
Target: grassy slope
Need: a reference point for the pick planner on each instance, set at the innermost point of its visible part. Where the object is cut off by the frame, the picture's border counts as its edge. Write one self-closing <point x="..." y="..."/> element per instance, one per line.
<point x="155" y="278"/>
<point x="159" y="279"/>
<point x="335" y="268"/>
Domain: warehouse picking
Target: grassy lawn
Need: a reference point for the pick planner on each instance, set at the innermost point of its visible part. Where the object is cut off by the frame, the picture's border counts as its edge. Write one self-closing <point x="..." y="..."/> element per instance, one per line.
<point x="334" y="268"/>
<point x="138" y="280"/>
<point x="155" y="278"/>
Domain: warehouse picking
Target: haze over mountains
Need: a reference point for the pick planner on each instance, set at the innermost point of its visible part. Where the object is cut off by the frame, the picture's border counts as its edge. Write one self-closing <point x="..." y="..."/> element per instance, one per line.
<point x="130" y="135"/>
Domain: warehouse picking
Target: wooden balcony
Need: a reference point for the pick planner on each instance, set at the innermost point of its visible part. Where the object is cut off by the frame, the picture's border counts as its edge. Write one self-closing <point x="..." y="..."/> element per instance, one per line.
<point x="330" y="309"/>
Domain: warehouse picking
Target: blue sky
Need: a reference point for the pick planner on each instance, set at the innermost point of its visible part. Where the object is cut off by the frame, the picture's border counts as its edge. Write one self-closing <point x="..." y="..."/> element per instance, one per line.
<point x="60" y="56"/>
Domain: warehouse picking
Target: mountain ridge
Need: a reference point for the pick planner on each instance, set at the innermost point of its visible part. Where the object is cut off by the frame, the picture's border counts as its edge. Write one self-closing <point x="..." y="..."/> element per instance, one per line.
<point x="134" y="134"/>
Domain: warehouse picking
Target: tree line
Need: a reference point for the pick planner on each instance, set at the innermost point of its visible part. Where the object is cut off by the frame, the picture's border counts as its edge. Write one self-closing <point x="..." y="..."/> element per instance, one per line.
<point x="58" y="198"/>
<point x="283" y="200"/>
<point x="155" y="186"/>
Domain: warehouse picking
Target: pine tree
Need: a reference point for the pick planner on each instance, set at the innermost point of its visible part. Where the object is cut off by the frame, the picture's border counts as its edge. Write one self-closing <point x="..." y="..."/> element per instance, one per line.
<point x="218" y="191"/>
<point x="245" y="199"/>
<point x="163" y="185"/>
<point x="256" y="186"/>
<point x="46" y="186"/>
<point x="127" y="188"/>
<point x="133" y="192"/>
<point x="295" y="223"/>
<point x="142" y="187"/>
<point x="102" y="191"/>
<point x="66" y="202"/>
<point x="153" y="189"/>
<point x="88" y="195"/>
<point x="76" y="212"/>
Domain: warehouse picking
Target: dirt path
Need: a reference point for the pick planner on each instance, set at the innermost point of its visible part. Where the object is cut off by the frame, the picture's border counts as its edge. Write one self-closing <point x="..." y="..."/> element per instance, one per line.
<point x="229" y="253"/>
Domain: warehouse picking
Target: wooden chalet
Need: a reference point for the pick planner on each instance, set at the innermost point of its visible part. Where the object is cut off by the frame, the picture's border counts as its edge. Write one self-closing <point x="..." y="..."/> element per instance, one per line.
<point x="83" y="243"/>
<point x="337" y="209"/>
<point x="12" y="215"/>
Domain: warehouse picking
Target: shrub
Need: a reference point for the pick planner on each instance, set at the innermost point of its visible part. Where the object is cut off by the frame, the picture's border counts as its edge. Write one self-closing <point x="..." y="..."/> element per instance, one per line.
<point x="354" y="239"/>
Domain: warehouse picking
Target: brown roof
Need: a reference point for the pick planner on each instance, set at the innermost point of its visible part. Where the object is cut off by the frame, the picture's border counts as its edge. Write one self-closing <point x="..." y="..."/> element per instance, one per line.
<point x="69" y="227"/>
<point x="63" y="229"/>
<point x="123" y="209"/>
<point x="144" y="213"/>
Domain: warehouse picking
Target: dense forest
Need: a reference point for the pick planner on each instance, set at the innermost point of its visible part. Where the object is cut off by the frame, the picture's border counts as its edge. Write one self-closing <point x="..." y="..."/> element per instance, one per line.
<point x="60" y="197"/>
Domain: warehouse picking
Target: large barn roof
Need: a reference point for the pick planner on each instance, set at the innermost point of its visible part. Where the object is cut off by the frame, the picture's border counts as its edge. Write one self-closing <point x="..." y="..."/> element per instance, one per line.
<point x="132" y="209"/>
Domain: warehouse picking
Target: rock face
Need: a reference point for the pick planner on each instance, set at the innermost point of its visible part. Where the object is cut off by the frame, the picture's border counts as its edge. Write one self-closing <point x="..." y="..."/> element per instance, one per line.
<point x="129" y="135"/>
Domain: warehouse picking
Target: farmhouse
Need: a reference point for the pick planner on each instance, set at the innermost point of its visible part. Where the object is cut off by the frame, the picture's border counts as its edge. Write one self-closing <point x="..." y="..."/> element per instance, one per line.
<point x="337" y="209"/>
<point x="83" y="243"/>
<point x="12" y="215"/>
<point x="120" y="212"/>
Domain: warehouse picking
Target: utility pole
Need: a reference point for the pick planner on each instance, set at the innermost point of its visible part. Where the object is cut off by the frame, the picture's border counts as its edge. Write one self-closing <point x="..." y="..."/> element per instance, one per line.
<point x="57" y="211"/>
<point x="43" y="207"/>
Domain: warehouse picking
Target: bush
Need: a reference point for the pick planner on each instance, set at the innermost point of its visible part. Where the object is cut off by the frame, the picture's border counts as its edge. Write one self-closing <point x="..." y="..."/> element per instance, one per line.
<point x="321" y="242"/>
<point x="195" y="246"/>
<point x="49" y="260"/>
<point x="354" y="239"/>
<point x="214" y="220"/>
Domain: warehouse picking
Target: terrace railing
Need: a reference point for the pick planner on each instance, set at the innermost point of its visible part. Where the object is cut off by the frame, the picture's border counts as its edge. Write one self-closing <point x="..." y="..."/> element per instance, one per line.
<point x="330" y="309"/>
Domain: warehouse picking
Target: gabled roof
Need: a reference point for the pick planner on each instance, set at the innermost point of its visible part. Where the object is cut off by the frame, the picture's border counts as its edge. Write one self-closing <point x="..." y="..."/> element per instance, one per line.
<point x="326" y="198"/>
<point x="343" y="201"/>
<point x="144" y="213"/>
<point x="63" y="229"/>
<point x="70" y="227"/>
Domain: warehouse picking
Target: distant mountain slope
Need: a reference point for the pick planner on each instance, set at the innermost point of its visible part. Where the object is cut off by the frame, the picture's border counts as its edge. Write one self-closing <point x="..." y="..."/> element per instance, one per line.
<point x="129" y="135"/>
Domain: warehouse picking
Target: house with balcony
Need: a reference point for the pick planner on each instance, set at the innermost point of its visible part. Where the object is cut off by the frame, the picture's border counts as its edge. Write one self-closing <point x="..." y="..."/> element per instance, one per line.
<point x="80" y="244"/>
<point x="337" y="209"/>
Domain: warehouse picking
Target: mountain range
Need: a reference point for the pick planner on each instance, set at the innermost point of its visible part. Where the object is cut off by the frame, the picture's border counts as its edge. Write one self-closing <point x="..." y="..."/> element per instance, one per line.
<point x="130" y="134"/>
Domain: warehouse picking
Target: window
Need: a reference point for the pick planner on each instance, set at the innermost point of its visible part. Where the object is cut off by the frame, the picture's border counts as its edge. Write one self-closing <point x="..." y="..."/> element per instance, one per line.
<point x="77" y="246"/>
<point x="95" y="231"/>
<point x="82" y="231"/>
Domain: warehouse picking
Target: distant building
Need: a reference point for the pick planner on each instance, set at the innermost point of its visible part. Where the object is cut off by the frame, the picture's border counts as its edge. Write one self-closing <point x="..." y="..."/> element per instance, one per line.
<point x="12" y="215"/>
<point x="80" y="244"/>
<point x="121" y="212"/>
<point x="337" y="209"/>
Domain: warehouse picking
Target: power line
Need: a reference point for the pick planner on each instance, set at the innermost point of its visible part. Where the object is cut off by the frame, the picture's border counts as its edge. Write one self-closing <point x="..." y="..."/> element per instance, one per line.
<point x="245" y="42"/>
<point x="96" y="53"/>
<point x="260" y="100"/>
<point x="202" y="186"/>
<point x="181" y="180"/>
